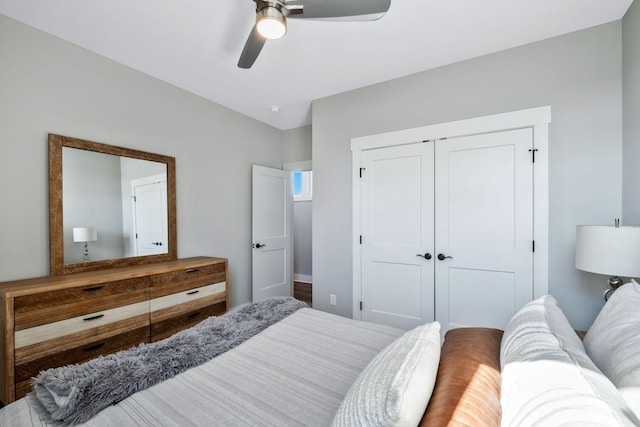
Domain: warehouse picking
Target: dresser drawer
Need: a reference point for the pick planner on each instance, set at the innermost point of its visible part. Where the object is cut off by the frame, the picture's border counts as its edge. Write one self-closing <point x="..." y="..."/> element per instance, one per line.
<point x="172" y="313"/>
<point x="185" y="297"/>
<point x="43" y="308"/>
<point x="169" y="326"/>
<point x="92" y="349"/>
<point x="79" y="324"/>
<point x="183" y="280"/>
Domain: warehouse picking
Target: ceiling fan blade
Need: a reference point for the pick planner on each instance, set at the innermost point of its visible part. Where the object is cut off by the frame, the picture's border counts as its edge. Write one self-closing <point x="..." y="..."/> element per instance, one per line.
<point x="341" y="10"/>
<point x="252" y="49"/>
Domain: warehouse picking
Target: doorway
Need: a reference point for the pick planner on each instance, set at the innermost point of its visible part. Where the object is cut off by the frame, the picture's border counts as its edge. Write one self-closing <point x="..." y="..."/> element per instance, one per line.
<point x="302" y="195"/>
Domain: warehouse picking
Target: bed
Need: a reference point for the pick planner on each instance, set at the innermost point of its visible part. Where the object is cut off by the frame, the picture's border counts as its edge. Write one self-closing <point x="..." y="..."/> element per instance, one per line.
<point x="317" y="369"/>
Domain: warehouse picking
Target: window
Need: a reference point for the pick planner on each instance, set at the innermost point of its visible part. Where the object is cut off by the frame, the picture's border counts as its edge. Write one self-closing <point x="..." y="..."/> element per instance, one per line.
<point x="302" y="184"/>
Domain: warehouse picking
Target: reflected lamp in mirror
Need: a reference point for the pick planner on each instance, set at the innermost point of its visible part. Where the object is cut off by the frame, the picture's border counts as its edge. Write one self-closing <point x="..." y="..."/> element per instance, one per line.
<point x="85" y="235"/>
<point x="610" y="250"/>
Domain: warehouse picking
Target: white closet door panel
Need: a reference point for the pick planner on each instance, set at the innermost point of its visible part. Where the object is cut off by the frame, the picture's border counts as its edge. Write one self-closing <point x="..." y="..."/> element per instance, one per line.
<point x="388" y="281"/>
<point x="481" y="181"/>
<point x="396" y="200"/>
<point x="484" y="222"/>
<point x="490" y="304"/>
<point x="397" y="225"/>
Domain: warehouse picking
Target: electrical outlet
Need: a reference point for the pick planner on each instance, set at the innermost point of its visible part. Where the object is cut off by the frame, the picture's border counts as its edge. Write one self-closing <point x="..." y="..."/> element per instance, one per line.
<point x="332" y="299"/>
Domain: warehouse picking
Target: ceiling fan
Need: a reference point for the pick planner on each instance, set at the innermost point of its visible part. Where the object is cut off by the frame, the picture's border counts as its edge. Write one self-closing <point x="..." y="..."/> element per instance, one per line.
<point x="271" y="18"/>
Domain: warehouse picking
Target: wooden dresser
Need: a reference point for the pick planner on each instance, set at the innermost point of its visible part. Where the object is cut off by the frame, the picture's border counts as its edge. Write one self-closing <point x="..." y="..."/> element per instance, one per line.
<point x="54" y="321"/>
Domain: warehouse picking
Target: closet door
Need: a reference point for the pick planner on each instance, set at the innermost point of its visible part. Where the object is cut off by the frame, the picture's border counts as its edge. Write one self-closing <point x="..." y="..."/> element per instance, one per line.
<point x="483" y="228"/>
<point x="397" y="235"/>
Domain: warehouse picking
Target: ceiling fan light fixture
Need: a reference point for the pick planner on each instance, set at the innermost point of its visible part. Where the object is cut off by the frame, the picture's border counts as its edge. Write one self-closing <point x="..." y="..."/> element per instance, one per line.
<point x="271" y="23"/>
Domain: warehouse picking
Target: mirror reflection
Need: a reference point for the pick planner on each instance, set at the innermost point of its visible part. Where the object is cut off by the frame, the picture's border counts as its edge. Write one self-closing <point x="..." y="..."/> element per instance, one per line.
<point x="114" y="207"/>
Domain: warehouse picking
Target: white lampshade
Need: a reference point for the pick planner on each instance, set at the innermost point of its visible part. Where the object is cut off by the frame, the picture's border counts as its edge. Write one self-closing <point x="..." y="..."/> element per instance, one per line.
<point x="609" y="250"/>
<point x="85" y="234"/>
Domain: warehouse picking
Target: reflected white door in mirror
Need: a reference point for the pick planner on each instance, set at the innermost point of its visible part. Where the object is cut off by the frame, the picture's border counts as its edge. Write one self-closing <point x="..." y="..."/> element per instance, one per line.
<point x="150" y="215"/>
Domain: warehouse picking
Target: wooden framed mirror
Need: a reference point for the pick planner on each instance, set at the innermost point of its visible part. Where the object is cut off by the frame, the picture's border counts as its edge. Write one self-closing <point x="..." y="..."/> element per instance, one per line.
<point x="109" y="206"/>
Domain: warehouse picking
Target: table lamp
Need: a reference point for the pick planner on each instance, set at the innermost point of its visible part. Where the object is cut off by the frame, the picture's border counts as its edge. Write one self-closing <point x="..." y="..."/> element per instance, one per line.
<point x="609" y="250"/>
<point x="85" y="235"/>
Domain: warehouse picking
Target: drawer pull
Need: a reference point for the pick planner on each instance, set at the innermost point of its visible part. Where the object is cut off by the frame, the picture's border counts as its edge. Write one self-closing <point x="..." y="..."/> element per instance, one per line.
<point x="98" y="316"/>
<point x="193" y="270"/>
<point x="93" y="347"/>
<point x="192" y="315"/>
<point x="193" y="292"/>
<point x="94" y="288"/>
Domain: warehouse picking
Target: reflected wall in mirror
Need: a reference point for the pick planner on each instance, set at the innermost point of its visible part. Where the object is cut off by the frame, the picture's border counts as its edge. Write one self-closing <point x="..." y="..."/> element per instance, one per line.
<point x="109" y="206"/>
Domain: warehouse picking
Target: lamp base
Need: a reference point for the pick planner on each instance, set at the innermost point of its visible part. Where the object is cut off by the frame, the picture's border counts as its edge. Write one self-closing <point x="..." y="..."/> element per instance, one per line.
<point x="614" y="282"/>
<point x="85" y="257"/>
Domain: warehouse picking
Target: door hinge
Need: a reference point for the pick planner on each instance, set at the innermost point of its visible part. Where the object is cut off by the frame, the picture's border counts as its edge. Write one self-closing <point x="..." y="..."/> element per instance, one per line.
<point x="134" y="199"/>
<point x="361" y="239"/>
<point x="361" y="169"/>
<point x="533" y="245"/>
<point x="136" y="235"/>
<point x="360" y="305"/>
<point x="533" y="154"/>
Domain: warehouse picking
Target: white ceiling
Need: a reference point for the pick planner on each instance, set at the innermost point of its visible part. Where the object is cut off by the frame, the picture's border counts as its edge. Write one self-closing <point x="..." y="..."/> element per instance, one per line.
<point x="195" y="44"/>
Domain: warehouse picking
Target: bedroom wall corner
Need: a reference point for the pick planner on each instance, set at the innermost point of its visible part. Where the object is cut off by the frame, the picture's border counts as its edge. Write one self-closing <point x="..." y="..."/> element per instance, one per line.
<point x="297" y="144"/>
<point x="631" y="115"/>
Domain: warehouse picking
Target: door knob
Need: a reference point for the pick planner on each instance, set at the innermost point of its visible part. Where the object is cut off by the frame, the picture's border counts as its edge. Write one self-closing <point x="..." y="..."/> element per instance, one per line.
<point x="442" y="257"/>
<point x="426" y="256"/>
<point x="258" y="245"/>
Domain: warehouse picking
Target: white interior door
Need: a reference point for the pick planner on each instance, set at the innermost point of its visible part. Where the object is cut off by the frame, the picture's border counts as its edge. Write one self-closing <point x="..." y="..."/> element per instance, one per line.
<point x="484" y="228"/>
<point x="150" y="216"/>
<point x="271" y="232"/>
<point x="397" y="235"/>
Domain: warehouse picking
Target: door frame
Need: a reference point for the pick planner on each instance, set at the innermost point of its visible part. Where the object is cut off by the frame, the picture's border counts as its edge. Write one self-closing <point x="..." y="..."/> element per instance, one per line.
<point x="536" y="118"/>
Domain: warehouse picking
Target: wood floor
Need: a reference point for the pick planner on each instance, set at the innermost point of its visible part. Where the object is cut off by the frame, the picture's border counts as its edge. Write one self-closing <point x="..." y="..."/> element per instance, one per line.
<point x="302" y="291"/>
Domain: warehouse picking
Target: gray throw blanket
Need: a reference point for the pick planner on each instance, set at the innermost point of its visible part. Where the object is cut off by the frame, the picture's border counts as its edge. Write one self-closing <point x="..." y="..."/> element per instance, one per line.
<point x="75" y="393"/>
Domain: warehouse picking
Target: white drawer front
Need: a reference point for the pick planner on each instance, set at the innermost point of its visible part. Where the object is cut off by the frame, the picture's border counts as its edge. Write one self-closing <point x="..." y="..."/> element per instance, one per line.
<point x="61" y="328"/>
<point x="190" y="295"/>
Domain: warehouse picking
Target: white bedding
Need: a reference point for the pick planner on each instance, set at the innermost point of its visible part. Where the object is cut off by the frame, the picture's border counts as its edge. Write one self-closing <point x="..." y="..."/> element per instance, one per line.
<point x="296" y="372"/>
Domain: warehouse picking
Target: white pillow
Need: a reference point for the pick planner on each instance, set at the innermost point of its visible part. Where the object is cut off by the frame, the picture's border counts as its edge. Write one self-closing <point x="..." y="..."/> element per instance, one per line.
<point x="613" y="342"/>
<point x="394" y="389"/>
<point x="548" y="379"/>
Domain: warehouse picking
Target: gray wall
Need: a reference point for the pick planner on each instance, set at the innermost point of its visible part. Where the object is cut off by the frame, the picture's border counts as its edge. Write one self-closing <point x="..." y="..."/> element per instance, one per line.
<point x="302" y="255"/>
<point x="297" y="144"/>
<point x="48" y="85"/>
<point x="631" y="114"/>
<point x="578" y="74"/>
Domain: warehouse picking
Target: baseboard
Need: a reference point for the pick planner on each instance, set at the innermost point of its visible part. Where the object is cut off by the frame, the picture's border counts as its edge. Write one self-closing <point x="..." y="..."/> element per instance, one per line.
<point x="238" y="307"/>
<point x="304" y="278"/>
